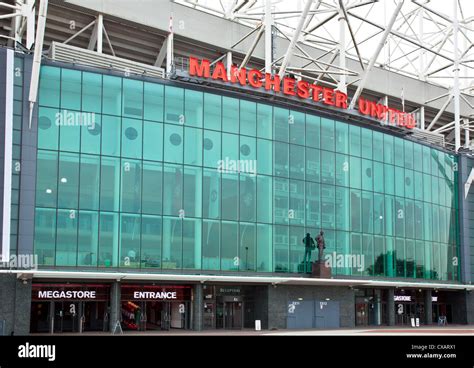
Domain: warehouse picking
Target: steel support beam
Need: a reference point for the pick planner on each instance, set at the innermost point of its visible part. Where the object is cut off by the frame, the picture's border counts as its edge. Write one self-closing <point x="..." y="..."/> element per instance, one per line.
<point x="456" y="88"/>
<point x="294" y="39"/>
<point x="253" y="46"/>
<point x="440" y="112"/>
<point x="35" y="70"/>
<point x="170" y="49"/>
<point x="268" y="24"/>
<point x="100" y="32"/>
<point x="380" y="46"/>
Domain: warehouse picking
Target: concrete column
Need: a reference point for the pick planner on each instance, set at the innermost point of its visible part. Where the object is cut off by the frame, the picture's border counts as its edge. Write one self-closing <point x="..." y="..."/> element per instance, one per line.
<point x="428" y="307"/>
<point x="15" y="306"/>
<point x="378" y="307"/>
<point x="391" y="307"/>
<point x="115" y="305"/>
<point x="198" y="300"/>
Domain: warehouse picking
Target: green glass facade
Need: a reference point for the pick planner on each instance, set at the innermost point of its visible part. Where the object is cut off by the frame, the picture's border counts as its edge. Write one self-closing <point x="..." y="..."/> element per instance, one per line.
<point x="139" y="185"/>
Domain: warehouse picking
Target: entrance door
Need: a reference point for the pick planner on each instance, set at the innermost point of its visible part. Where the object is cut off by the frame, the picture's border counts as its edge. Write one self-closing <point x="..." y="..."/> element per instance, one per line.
<point x="362" y="314"/>
<point x="233" y="315"/>
<point x="66" y="316"/>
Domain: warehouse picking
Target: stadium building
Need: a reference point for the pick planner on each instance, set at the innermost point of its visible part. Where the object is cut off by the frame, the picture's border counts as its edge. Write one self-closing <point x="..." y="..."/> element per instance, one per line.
<point x="162" y="162"/>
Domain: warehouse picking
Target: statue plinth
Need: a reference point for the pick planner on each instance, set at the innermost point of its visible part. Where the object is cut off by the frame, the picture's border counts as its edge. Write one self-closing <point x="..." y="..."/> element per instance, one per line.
<point x="321" y="270"/>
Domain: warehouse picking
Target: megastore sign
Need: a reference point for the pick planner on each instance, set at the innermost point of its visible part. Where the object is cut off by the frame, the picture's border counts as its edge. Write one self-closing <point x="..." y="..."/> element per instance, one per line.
<point x="297" y="88"/>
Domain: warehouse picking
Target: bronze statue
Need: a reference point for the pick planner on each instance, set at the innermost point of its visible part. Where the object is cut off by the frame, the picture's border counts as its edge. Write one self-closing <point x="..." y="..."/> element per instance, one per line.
<point x="321" y="245"/>
<point x="308" y="247"/>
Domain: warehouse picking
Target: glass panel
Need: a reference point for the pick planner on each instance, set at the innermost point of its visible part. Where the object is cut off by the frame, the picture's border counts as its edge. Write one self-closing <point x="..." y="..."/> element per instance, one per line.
<point x="153" y="102"/>
<point x="367" y="144"/>
<point x="399" y="152"/>
<point x="355" y="140"/>
<point x="48" y="130"/>
<point x="281" y="200"/>
<point x="388" y="152"/>
<point x="211" y="194"/>
<point x="69" y="130"/>
<point x="328" y="170"/>
<point x="172" y="243"/>
<point x="264" y="199"/>
<point x="327" y="134"/>
<point x="68" y="180"/>
<point x="192" y="196"/>
<point x="417" y="157"/>
<point x="230" y="259"/>
<point x="378" y="143"/>
<point x="281" y="164"/>
<point x="342" y="137"/>
<point x="264" y="157"/>
<point x="110" y="184"/>
<point x="230" y="196"/>
<point x="71" y="89"/>
<point x="367" y="173"/>
<point x="173" y="190"/>
<point x="355" y="172"/>
<point x="389" y="176"/>
<point x="313" y="166"/>
<point x="248" y="118"/>
<point x="173" y="144"/>
<point x="111" y="128"/>
<point x="400" y="253"/>
<point x="313" y="131"/>
<point x="297" y="249"/>
<point x="379" y="213"/>
<point x="342" y="208"/>
<point x="108" y="239"/>
<point x="132" y="138"/>
<point x="192" y="243"/>
<point x="49" y="86"/>
<point x="409" y="155"/>
<point x="264" y="121"/>
<point x="45" y="235"/>
<point x="297" y="127"/>
<point x="313" y="203"/>
<point x="132" y="99"/>
<point x="280" y="124"/>
<point x="112" y="95"/>
<point x="91" y="134"/>
<point x="400" y="217"/>
<point x="356" y="208"/>
<point x="131" y="186"/>
<point x="230" y="115"/>
<point x="297" y="162"/>
<point x="210" y="245"/>
<point x="342" y="170"/>
<point x="212" y="148"/>
<point x="174" y="105"/>
<point x="399" y="181"/>
<point x="328" y="196"/>
<point x="297" y="202"/>
<point x="46" y="179"/>
<point x="153" y="141"/>
<point x="150" y="255"/>
<point x="247" y="198"/>
<point x="193" y="146"/>
<point x="281" y="243"/>
<point x="212" y="111"/>
<point x="367" y="212"/>
<point x="152" y="188"/>
<point x="264" y="248"/>
<point x="130" y="226"/>
<point x="379" y="177"/>
<point x="88" y="238"/>
<point x="66" y="238"/>
<point x="193" y="108"/>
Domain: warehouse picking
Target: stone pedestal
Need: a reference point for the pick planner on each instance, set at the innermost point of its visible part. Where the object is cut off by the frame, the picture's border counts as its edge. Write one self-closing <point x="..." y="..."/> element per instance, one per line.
<point x="321" y="270"/>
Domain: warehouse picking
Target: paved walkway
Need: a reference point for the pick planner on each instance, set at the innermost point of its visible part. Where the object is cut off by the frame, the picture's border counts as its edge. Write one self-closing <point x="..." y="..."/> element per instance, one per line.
<point x="462" y="330"/>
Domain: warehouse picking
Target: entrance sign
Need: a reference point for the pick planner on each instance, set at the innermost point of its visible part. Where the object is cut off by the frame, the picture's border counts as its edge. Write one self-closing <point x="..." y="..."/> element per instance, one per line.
<point x="297" y="88"/>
